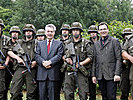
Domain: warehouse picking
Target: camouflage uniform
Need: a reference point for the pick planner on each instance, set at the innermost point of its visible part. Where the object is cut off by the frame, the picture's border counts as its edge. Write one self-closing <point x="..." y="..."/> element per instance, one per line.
<point x="77" y="78"/>
<point x="3" y="87"/>
<point x="92" y="86"/>
<point x="20" y="78"/>
<point x="41" y="32"/>
<point x="125" y="82"/>
<point x="128" y="47"/>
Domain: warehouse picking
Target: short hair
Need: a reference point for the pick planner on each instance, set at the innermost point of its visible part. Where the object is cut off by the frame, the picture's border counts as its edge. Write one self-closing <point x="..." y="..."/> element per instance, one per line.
<point x="50" y="25"/>
<point x="102" y="23"/>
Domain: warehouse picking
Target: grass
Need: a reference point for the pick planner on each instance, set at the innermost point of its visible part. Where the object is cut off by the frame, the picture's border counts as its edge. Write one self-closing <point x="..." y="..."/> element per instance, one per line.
<point x="98" y="97"/>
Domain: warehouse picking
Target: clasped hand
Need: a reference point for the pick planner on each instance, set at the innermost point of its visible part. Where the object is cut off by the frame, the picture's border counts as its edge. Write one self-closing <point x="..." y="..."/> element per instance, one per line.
<point x="46" y="64"/>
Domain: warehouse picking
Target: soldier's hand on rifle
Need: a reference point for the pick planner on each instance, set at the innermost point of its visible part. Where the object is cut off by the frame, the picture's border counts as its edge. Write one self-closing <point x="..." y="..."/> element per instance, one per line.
<point x="2" y="67"/>
<point x="20" y="60"/>
<point x="94" y="80"/>
<point x="33" y="64"/>
<point x="69" y="61"/>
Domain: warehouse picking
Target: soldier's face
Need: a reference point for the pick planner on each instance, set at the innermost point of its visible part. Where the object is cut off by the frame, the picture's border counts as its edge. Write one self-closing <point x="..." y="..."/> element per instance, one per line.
<point x="65" y="32"/>
<point x="103" y="30"/>
<point x="76" y="32"/>
<point x="49" y="32"/>
<point x="28" y="32"/>
<point x="40" y="37"/>
<point x="15" y="35"/>
<point x="93" y="34"/>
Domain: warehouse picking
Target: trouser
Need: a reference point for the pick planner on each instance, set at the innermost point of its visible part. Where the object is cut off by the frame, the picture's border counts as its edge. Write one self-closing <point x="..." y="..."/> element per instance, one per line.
<point x="49" y="90"/>
<point x="108" y="89"/>
<point x="72" y="82"/>
<point x="2" y="84"/>
<point x="18" y="81"/>
<point x="8" y="78"/>
<point x="92" y="89"/>
<point x="125" y="84"/>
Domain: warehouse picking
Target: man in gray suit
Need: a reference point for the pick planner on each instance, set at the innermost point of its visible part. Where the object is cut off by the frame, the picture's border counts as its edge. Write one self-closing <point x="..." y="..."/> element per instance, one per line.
<point x="107" y="63"/>
<point x="48" y="55"/>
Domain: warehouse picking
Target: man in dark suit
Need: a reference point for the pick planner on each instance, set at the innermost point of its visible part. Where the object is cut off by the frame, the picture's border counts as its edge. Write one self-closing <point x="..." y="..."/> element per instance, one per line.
<point x="48" y="55"/>
<point x="107" y="63"/>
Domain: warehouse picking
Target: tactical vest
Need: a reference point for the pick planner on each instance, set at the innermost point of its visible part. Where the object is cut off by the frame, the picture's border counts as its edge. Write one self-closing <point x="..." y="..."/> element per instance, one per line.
<point x="28" y="47"/>
<point x="80" y="49"/>
<point x="129" y="44"/>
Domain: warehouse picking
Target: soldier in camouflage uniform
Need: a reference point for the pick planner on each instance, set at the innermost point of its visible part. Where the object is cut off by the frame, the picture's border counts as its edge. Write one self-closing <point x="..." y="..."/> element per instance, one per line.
<point x="127" y="54"/>
<point x="125" y="82"/>
<point x="65" y="29"/>
<point x="40" y="34"/>
<point x="25" y="46"/>
<point x="3" y="40"/>
<point x="93" y="31"/>
<point x="78" y="56"/>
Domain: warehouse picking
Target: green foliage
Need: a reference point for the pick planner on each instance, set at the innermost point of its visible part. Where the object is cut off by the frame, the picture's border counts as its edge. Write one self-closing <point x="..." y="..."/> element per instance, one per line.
<point x="42" y="12"/>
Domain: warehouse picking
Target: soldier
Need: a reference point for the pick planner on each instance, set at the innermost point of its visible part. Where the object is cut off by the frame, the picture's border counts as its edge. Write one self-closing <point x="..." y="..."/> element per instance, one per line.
<point x="78" y="56"/>
<point x="22" y="75"/>
<point x="3" y="83"/>
<point x="65" y="30"/>
<point x="125" y="82"/>
<point x="127" y="54"/>
<point x="93" y="31"/>
<point x="40" y="35"/>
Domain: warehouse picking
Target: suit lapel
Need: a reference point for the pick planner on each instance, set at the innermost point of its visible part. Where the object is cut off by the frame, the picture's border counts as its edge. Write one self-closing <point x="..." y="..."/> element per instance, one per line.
<point x="45" y="47"/>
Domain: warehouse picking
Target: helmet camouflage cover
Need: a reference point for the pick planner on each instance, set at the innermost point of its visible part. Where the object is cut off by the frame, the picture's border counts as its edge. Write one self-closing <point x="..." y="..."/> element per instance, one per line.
<point x="93" y="28"/>
<point x="127" y="31"/>
<point x="40" y="32"/>
<point x="29" y="27"/>
<point x="76" y="25"/>
<point x="15" y="29"/>
<point x="65" y="27"/>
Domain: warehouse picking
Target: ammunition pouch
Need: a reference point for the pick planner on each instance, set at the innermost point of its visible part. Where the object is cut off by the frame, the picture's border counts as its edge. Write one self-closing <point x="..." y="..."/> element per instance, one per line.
<point x="84" y="71"/>
<point x="64" y="66"/>
<point x="69" y="68"/>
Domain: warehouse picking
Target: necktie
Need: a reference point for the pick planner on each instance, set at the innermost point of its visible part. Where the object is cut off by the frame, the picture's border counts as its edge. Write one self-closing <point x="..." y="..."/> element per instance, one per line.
<point x="48" y="48"/>
<point x="103" y="42"/>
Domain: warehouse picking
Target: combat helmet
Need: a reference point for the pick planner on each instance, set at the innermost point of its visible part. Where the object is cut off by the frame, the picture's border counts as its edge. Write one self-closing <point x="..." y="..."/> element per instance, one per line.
<point x="65" y="27"/>
<point x="127" y="31"/>
<point x="93" y="28"/>
<point x="76" y="25"/>
<point x="29" y="27"/>
<point x="14" y="29"/>
<point x="2" y="23"/>
<point x="40" y="32"/>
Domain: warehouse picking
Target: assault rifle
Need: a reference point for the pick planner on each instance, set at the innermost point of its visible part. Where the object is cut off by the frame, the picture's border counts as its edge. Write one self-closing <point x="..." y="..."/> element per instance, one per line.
<point x="25" y="58"/>
<point x="2" y="62"/>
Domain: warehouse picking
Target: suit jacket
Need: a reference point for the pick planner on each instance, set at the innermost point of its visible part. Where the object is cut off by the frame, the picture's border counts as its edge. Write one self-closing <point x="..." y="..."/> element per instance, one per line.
<point x="55" y="55"/>
<point x="107" y="59"/>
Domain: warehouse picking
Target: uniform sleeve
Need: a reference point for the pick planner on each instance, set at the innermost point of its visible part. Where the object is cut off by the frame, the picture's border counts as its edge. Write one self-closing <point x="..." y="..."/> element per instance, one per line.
<point x="89" y="51"/>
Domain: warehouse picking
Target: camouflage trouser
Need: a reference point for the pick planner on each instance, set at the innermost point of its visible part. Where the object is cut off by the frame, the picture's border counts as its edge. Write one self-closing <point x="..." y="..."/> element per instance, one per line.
<point x="70" y="84"/>
<point x="2" y="84"/>
<point x="125" y="83"/>
<point x="131" y="80"/>
<point x="18" y="81"/>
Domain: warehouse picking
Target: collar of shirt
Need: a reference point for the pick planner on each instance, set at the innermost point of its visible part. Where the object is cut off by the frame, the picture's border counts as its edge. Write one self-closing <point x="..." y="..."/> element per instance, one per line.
<point x="50" y="42"/>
